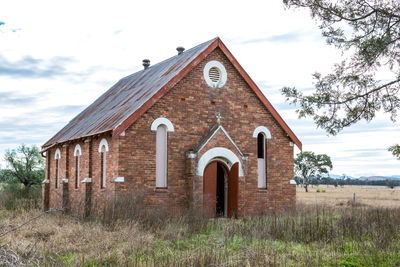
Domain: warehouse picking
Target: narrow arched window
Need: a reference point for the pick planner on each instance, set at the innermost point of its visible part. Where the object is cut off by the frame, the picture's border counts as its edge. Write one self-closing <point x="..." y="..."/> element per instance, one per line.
<point x="48" y="166"/>
<point x="261" y="152"/>
<point x="161" y="126"/>
<point x="161" y="156"/>
<point x="262" y="134"/>
<point x="77" y="154"/>
<point x="103" y="148"/>
<point x="57" y="157"/>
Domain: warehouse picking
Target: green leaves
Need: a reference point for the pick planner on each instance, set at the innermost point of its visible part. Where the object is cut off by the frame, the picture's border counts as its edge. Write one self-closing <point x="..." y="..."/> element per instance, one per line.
<point x="395" y="149"/>
<point x="25" y="165"/>
<point x="308" y="165"/>
<point x="352" y="92"/>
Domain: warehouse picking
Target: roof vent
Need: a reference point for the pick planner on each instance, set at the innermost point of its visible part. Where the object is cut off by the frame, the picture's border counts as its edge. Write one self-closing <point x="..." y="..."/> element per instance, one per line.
<point x="146" y="63"/>
<point x="180" y="49"/>
<point x="214" y="74"/>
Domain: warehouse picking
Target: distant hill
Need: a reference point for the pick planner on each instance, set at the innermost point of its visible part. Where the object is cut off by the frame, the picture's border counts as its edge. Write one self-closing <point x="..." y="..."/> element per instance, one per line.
<point x="367" y="178"/>
<point x="335" y="176"/>
<point x="379" y="178"/>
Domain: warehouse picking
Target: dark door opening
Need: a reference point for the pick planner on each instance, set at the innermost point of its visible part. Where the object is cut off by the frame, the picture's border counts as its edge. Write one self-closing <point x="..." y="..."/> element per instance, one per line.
<point x="221" y="188"/>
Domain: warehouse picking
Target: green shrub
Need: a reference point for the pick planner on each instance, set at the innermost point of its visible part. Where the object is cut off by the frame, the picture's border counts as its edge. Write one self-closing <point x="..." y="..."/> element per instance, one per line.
<point x="15" y="196"/>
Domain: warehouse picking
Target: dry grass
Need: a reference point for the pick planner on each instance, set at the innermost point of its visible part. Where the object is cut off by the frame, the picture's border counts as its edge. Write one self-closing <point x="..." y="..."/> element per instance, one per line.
<point x="374" y="196"/>
<point x="322" y="235"/>
<point x="56" y="236"/>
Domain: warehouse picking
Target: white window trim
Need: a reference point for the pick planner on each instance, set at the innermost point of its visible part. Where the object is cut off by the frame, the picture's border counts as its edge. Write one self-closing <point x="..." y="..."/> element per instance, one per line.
<point x="169" y="128"/>
<point x="77" y="150"/>
<point x="264" y="130"/>
<point x="103" y="179"/>
<point x="77" y="153"/>
<point x="162" y="182"/>
<point x="162" y="121"/>
<point x="78" y="171"/>
<point x="261" y="165"/>
<point x="103" y="142"/>
<point x="224" y="75"/>
<point x="57" y="155"/>
<point x="267" y="135"/>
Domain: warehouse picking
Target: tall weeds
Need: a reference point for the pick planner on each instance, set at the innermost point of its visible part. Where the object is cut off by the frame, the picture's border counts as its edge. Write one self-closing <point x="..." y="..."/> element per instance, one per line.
<point x="14" y="196"/>
<point x="130" y="233"/>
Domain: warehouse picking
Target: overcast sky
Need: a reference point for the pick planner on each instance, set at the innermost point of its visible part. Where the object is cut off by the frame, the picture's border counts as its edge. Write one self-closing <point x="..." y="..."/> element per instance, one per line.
<point x="57" y="57"/>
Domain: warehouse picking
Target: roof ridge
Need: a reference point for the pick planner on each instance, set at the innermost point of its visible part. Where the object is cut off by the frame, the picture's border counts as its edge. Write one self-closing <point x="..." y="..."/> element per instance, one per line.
<point x="170" y="58"/>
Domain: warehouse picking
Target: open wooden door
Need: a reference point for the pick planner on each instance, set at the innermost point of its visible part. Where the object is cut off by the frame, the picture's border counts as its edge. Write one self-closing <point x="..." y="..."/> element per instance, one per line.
<point x="210" y="188"/>
<point x="233" y="190"/>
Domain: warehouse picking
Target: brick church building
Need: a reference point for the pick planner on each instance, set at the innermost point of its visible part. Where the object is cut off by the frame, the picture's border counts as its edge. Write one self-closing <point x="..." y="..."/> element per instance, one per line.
<point x="191" y="131"/>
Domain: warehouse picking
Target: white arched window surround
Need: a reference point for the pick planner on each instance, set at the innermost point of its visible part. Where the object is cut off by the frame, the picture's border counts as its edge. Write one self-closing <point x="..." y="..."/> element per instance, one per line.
<point x="103" y="143"/>
<point x="264" y="130"/>
<point x="265" y="134"/>
<point x="161" y="126"/>
<point x="162" y="121"/>
<point x="57" y="157"/>
<point x="77" y="150"/>
<point x="218" y="153"/>
<point x="103" y="149"/>
<point x="77" y="154"/>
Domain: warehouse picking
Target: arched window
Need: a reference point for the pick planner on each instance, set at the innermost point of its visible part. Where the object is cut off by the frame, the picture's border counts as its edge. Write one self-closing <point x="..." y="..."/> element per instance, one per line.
<point x="77" y="155"/>
<point x="57" y="157"/>
<point x="161" y="126"/>
<point x="161" y="156"/>
<point x="48" y="158"/>
<point x="262" y="134"/>
<point x="262" y="183"/>
<point x="103" y="149"/>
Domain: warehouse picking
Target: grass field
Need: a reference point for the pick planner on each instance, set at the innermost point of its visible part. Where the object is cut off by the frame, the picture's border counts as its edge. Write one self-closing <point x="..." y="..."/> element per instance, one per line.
<point x="331" y="233"/>
<point x="375" y="196"/>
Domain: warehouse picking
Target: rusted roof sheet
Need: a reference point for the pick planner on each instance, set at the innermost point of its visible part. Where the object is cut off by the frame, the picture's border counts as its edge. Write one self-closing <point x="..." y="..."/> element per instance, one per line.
<point x="125" y="97"/>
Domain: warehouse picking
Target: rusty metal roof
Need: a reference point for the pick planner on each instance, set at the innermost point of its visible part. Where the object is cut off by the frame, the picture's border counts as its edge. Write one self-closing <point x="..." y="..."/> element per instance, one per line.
<point x="133" y="95"/>
<point x="125" y="97"/>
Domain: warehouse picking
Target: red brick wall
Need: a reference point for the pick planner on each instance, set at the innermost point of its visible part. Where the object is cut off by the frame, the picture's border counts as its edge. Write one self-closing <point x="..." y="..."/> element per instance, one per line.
<point x="76" y="197"/>
<point x="192" y="107"/>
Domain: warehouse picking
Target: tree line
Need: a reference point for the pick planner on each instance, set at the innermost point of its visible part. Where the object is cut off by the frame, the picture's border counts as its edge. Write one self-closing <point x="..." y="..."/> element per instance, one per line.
<point x="347" y="181"/>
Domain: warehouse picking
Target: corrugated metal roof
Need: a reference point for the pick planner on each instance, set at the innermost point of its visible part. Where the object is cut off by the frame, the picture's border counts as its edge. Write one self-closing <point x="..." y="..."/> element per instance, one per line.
<point x="125" y="97"/>
<point x="133" y="95"/>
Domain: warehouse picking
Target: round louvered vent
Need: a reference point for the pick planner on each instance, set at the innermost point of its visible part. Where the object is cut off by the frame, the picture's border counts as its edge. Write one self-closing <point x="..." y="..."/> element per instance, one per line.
<point x="215" y="74"/>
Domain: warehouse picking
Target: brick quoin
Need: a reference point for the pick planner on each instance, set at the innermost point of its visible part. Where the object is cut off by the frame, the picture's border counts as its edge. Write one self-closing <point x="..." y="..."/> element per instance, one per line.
<point x="191" y="105"/>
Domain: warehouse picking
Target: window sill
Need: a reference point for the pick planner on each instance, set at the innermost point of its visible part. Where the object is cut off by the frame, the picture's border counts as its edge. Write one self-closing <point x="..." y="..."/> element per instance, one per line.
<point x="262" y="190"/>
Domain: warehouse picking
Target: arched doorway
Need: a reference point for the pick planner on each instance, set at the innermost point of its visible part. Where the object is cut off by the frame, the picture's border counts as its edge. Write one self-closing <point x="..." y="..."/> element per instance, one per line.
<point x="220" y="189"/>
